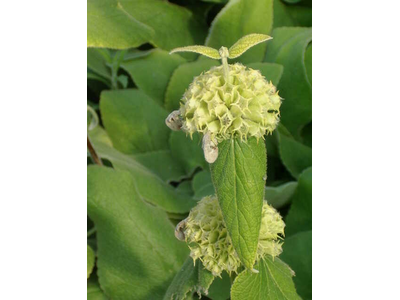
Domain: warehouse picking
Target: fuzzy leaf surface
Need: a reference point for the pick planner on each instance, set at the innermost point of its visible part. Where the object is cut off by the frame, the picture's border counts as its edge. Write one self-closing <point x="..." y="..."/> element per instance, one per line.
<point x="152" y="72"/>
<point x="279" y="196"/>
<point x="203" y="50"/>
<point x="288" y="49"/>
<point x="237" y="176"/>
<point x="245" y="43"/>
<point x="136" y="242"/>
<point x="134" y="122"/>
<point x="273" y="282"/>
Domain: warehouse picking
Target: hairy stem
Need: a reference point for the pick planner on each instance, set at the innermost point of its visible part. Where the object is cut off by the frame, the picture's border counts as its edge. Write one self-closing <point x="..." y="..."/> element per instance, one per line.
<point x="93" y="153"/>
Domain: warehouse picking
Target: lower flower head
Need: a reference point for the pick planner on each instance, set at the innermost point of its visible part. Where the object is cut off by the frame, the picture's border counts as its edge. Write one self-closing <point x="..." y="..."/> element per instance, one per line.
<point x="208" y="239"/>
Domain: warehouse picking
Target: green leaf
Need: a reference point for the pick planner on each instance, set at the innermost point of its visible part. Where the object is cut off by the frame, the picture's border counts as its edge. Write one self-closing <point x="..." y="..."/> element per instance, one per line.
<point x="245" y="43"/>
<point x="181" y="79"/>
<point x="274" y="282"/>
<point x="151" y="73"/>
<point x="291" y="15"/>
<point x="94" y="292"/>
<point x="192" y="278"/>
<point x="297" y="252"/>
<point x="220" y="289"/>
<point x="90" y="260"/>
<point x="162" y="164"/>
<point x="238" y="18"/>
<point x="288" y="49"/>
<point x="271" y="72"/>
<point x="238" y="177"/>
<point x="134" y="122"/>
<point x="129" y="23"/>
<point x="186" y="151"/>
<point x="203" y="50"/>
<point x="308" y="62"/>
<point x="299" y="217"/>
<point x="295" y="156"/>
<point x="109" y="25"/>
<point x="202" y="185"/>
<point x="138" y="254"/>
<point x="149" y="187"/>
<point x="279" y="196"/>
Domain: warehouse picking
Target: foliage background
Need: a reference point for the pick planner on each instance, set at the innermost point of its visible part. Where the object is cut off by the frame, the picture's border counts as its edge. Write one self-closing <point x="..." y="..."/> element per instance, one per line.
<point x="152" y="176"/>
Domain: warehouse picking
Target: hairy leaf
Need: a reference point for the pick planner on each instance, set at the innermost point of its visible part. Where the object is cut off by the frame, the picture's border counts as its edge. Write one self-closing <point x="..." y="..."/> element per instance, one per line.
<point x="202" y="185"/>
<point x="136" y="242"/>
<point x="291" y="15"/>
<point x="129" y="23"/>
<point x="149" y="187"/>
<point x="238" y="177"/>
<point x="238" y="18"/>
<point x="273" y="282"/>
<point x="299" y="217"/>
<point x="134" y="122"/>
<point x="288" y="49"/>
<point x="152" y="72"/>
<point x="246" y="42"/>
<point x="181" y="79"/>
<point x="297" y="252"/>
<point x="203" y="50"/>
<point x="94" y="292"/>
<point x="192" y="278"/>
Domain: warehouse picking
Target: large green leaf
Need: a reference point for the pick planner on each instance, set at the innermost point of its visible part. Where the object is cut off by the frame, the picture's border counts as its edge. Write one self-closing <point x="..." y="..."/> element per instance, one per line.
<point x="308" y="62"/>
<point x="149" y="187"/>
<point x="187" y="151"/>
<point x="239" y="18"/>
<point x="90" y="260"/>
<point x="295" y="156"/>
<point x="192" y="278"/>
<point x="274" y="282"/>
<point x="138" y="254"/>
<point x="152" y="72"/>
<point x="297" y="252"/>
<point x="291" y="15"/>
<point x="134" y="122"/>
<point x="299" y="217"/>
<point x="288" y="49"/>
<point x="272" y="72"/>
<point x="97" y="60"/>
<point x="220" y="289"/>
<point x="163" y="164"/>
<point x="238" y="177"/>
<point x="129" y="23"/>
<point x="181" y="79"/>
<point x="109" y="25"/>
<point x="279" y="196"/>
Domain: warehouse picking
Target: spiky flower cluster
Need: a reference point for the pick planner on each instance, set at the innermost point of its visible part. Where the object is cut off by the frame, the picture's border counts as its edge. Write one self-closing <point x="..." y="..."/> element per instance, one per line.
<point x="208" y="239"/>
<point x="243" y="105"/>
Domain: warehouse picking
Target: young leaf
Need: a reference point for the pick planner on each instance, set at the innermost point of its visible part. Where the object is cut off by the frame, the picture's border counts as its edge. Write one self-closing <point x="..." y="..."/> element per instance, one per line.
<point x="138" y="254"/>
<point x="90" y="260"/>
<point x="274" y="282"/>
<point x="246" y="42"/>
<point x="203" y="50"/>
<point x="238" y="176"/>
<point x="192" y="278"/>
